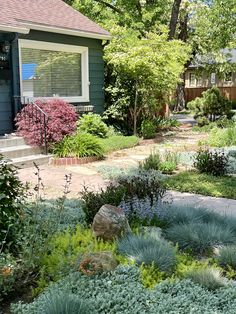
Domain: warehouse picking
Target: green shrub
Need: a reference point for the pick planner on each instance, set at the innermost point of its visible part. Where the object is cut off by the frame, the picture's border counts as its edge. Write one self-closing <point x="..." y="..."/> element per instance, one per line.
<point x="117" y="142"/>
<point x="166" y="123"/>
<point x="222" y="138"/>
<point x="148" y="250"/>
<point x="202" y="121"/>
<point x="153" y="161"/>
<point x="122" y="292"/>
<point x="12" y="196"/>
<point x="200" y="238"/>
<point x="227" y="256"/>
<point x="78" y="145"/>
<point x="211" y="162"/>
<point x="8" y="274"/>
<point x="148" y="129"/>
<point x="92" y="123"/>
<point x="58" y="302"/>
<point x="93" y="201"/>
<point x="142" y="184"/>
<point x="211" y="106"/>
<point x="209" y="278"/>
<point x="166" y="162"/>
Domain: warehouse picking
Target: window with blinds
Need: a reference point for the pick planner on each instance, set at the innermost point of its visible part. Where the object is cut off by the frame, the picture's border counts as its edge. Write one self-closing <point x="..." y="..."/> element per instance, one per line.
<point x="47" y="73"/>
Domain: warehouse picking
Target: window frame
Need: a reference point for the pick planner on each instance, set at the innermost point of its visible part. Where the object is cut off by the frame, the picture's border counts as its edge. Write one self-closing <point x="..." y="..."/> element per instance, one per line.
<point x="50" y="46"/>
<point x="194" y="75"/>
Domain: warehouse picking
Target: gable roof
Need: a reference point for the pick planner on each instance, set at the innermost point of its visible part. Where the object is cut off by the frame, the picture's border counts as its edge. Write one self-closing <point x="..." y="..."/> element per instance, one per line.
<point x="47" y="15"/>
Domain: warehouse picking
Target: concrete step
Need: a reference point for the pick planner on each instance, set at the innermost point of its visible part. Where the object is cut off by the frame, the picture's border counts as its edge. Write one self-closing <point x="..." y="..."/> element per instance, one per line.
<point x="28" y="161"/>
<point x="11" y="141"/>
<point x="19" y="151"/>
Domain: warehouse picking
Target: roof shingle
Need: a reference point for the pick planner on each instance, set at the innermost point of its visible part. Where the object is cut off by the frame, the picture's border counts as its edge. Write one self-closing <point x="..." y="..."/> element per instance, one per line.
<point x="50" y="13"/>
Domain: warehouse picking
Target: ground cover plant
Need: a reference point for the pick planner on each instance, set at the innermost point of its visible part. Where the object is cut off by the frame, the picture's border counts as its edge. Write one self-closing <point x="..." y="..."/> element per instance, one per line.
<point x="205" y="184"/>
<point x="161" y="263"/>
<point x="117" y="142"/>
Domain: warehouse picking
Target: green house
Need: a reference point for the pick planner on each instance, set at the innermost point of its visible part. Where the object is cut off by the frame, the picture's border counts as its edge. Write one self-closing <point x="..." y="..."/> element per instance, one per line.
<point x="48" y="49"/>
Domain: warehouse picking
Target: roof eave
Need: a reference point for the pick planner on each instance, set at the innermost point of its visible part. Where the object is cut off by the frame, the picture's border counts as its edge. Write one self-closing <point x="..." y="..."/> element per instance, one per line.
<point x="44" y="28"/>
<point x="67" y="31"/>
<point x="14" y="29"/>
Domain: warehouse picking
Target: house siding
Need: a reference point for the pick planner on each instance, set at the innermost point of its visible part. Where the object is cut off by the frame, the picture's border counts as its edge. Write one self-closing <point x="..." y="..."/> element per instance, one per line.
<point x="96" y="63"/>
<point x="6" y="110"/>
<point x="227" y="89"/>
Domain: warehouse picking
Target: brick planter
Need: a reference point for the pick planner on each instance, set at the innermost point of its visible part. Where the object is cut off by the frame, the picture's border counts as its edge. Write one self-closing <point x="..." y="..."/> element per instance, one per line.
<point x="70" y="161"/>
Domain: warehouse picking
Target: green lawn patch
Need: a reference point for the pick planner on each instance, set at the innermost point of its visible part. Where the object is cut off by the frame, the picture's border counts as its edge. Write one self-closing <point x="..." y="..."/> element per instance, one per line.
<point x="117" y="142"/>
<point x="193" y="182"/>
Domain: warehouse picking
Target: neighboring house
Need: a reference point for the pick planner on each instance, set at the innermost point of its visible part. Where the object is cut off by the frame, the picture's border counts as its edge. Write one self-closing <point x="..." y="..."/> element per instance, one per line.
<point x="48" y="49"/>
<point x="196" y="83"/>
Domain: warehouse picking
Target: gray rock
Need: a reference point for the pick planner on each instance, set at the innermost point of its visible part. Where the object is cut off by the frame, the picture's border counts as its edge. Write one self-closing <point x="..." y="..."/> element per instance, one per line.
<point x="110" y="223"/>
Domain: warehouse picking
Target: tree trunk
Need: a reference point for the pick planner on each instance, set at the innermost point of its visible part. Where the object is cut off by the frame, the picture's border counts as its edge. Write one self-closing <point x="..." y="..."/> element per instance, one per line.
<point x="180" y="91"/>
<point x="135" y="109"/>
<point x="180" y="95"/>
<point x="174" y="18"/>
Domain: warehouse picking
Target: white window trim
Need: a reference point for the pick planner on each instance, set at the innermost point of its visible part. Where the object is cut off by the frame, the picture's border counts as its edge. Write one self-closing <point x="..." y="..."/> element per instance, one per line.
<point x="25" y="43"/>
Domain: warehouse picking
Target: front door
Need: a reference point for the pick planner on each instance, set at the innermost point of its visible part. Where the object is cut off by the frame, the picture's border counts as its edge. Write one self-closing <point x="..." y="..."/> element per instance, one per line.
<point x="6" y="123"/>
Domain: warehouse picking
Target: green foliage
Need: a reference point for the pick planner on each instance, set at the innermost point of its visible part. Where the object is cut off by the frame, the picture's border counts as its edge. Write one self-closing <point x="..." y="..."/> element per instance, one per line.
<point x="93" y="201"/>
<point x="204" y="184"/>
<point x="142" y="184"/>
<point x="200" y="238"/>
<point x="122" y="292"/>
<point x="8" y="274"/>
<point x="63" y="253"/>
<point x="211" y="162"/>
<point x="117" y="142"/>
<point x="210" y="107"/>
<point x="78" y="145"/>
<point x="166" y="162"/>
<point x="227" y="257"/>
<point x="152" y="76"/>
<point x="149" y="250"/>
<point x="210" y="278"/>
<point x="153" y="161"/>
<point x="222" y="138"/>
<point x="148" y="129"/>
<point x="92" y="123"/>
<point x="166" y="123"/>
<point x="151" y="276"/>
<point x="12" y="196"/>
<point x="64" y="303"/>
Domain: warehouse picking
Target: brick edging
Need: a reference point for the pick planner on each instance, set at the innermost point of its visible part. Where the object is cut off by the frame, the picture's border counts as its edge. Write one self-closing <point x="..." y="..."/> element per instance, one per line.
<point x="69" y="161"/>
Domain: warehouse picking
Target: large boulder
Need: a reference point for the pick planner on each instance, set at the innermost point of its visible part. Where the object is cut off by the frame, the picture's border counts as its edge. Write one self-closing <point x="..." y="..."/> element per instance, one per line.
<point x="110" y="223"/>
<point x="94" y="263"/>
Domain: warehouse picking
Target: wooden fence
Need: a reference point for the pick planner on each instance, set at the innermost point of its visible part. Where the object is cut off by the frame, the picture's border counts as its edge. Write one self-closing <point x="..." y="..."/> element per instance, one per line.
<point x="192" y="93"/>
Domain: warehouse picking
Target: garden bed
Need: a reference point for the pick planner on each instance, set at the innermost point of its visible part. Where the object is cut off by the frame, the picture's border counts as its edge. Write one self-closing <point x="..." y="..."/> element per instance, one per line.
<point x="204" y="184"/>
<point x="70" y="161"/>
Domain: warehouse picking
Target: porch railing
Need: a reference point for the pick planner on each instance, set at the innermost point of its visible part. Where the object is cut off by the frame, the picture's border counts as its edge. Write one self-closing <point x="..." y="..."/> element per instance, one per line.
<point x="35" y="117"/>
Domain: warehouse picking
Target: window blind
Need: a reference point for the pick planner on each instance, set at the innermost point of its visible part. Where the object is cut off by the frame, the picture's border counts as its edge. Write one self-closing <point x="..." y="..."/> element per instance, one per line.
<point x="50" y="73"/>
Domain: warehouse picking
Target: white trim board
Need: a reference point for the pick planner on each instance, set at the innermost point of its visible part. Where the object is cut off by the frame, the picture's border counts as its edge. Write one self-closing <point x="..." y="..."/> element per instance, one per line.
<point x="26" y="27"/>
<point x="33" y="44"/>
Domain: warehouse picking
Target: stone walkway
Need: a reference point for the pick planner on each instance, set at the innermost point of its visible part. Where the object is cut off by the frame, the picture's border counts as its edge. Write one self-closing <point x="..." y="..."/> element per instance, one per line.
<point x="220" y="205"/>
<point x="53" y="177"/>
